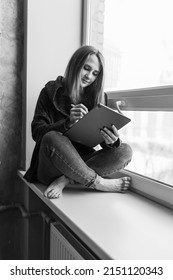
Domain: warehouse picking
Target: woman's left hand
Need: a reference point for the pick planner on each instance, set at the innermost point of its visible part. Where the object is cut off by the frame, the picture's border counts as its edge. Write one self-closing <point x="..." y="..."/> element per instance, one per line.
<point x="110" y="136"/>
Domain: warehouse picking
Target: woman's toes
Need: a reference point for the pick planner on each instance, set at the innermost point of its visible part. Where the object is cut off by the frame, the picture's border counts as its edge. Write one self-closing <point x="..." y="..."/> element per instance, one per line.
<point x="127" y="181"/>
<point x="126" y="184"/>
<point x="49" y="194"/>
<point x="54" y="194"/>
<point x="48" y="190"/>
<point x="46" y="193"/>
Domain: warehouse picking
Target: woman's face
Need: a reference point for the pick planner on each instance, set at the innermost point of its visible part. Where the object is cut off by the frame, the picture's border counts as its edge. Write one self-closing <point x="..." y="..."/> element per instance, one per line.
<point x="89" y="71"/>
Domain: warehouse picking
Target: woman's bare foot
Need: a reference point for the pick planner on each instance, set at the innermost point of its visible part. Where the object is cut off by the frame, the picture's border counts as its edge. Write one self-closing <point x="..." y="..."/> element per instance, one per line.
<point x="56" y="187"/>
<point x="113" y="185"/>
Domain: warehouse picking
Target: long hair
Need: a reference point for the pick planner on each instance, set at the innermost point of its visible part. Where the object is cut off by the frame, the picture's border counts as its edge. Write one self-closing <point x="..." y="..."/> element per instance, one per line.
<point x="72" y="75"/>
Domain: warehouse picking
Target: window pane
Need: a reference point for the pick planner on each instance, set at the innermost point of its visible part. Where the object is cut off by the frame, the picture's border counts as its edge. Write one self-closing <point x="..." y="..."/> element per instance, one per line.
<point x="136" y="39"/>
<point x="150" y="135"/>
<point x="138" y="43"/>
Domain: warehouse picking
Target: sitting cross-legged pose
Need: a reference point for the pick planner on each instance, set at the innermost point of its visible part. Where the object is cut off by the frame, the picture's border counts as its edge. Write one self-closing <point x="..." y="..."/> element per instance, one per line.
<point x="58" y="161"/>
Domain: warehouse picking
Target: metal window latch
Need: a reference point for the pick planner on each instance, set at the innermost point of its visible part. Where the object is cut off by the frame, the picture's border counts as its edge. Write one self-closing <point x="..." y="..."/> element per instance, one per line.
<point x="118" y="104"/>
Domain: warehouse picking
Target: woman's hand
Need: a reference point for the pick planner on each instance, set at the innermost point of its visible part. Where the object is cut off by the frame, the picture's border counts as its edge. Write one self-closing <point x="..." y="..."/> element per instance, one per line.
<point x="77" y="112"/>
<point x="110" y="136"/>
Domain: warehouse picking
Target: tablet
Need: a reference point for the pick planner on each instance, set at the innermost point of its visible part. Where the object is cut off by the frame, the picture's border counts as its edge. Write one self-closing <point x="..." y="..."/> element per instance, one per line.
<point x="87" y="130"/>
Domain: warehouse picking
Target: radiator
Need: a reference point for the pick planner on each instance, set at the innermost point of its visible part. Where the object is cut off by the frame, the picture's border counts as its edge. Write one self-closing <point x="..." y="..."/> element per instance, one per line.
<point x="60" y="247"/>
<point x="65" y="246"/>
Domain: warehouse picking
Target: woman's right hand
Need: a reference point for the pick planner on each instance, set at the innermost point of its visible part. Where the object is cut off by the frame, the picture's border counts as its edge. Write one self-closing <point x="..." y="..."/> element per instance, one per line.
<point x="77" y="112"/>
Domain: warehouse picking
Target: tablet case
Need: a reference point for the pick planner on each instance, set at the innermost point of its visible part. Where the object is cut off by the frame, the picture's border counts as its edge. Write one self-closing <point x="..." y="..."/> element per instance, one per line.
<point x="87" y="130"/>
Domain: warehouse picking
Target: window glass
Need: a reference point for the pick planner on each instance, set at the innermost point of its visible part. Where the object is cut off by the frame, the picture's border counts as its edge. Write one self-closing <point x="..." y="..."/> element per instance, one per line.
<point x="138" y="43"/>
<point x="136" y="39"/>
<point x="150" y="135"/>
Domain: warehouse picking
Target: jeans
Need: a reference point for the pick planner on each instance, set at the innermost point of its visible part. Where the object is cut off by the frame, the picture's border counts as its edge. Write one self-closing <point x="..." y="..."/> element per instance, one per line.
<point x="59" y="156"/>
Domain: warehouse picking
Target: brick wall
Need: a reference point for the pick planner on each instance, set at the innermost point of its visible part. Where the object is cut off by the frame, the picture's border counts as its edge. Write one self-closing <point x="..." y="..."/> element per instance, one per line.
<point x="11" y="63"/>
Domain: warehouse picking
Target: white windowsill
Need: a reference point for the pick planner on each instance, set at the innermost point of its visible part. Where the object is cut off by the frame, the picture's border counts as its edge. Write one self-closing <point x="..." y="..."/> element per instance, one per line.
<point x="116" y="226"/>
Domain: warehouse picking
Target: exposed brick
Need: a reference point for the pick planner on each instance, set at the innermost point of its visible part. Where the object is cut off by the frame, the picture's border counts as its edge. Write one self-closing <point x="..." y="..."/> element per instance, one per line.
<point x="11" y="63"/>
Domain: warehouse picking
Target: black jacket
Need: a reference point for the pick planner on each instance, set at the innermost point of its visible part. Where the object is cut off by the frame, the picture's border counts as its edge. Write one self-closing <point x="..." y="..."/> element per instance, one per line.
<point x="51" y="113"/>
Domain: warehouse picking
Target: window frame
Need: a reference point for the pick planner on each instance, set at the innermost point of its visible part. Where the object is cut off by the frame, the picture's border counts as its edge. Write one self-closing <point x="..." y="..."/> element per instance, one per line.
<point x="150" y="99"/>
<point x="86" y="8"/>
<point x="143" y="99"/>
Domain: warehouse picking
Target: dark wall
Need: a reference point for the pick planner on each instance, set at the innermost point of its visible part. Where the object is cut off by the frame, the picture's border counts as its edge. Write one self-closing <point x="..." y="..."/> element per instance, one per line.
<point x="11" y="67"/>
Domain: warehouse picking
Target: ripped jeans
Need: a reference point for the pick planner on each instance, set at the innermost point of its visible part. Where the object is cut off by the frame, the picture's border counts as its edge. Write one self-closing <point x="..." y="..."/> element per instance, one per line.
<point x="59" y="156"/>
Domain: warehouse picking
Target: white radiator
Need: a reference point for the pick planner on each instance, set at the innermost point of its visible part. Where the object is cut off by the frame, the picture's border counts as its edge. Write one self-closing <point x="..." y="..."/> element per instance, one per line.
<point x="64" y="246"/>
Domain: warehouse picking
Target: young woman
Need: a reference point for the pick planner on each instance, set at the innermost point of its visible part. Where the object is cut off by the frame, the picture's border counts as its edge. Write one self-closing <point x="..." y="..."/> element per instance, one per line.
<point x="57" y="161"/>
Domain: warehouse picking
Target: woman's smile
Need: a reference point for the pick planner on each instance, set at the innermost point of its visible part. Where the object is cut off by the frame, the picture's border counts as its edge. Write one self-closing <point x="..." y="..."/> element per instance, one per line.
<point x="85" y="81"/>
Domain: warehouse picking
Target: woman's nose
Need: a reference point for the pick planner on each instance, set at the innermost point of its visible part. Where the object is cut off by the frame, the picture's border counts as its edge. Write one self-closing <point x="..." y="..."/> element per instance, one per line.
<point x="88" y="75"/>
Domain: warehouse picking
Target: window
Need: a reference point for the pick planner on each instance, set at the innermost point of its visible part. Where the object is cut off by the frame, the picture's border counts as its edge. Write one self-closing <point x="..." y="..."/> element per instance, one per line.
<point x="137" y="42"/>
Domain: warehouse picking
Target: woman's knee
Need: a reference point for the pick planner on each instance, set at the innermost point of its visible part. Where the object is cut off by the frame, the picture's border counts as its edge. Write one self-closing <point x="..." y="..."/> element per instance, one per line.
<point x="124" y="151"/>
<point x="127" y="150"/>
<point x="52" y="138"/>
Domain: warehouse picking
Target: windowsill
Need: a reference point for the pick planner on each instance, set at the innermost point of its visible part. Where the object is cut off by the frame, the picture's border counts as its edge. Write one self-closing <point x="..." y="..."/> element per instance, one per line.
<point x="116" y="226"/>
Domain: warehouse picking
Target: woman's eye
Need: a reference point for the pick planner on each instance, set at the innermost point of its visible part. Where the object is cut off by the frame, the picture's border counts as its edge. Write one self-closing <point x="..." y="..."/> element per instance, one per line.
<point x="95" y="74"/>
<point x="86" y="67"/>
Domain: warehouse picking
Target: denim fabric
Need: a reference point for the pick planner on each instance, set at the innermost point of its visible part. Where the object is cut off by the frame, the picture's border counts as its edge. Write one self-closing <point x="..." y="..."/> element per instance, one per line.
<point x="59" y="156"/>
